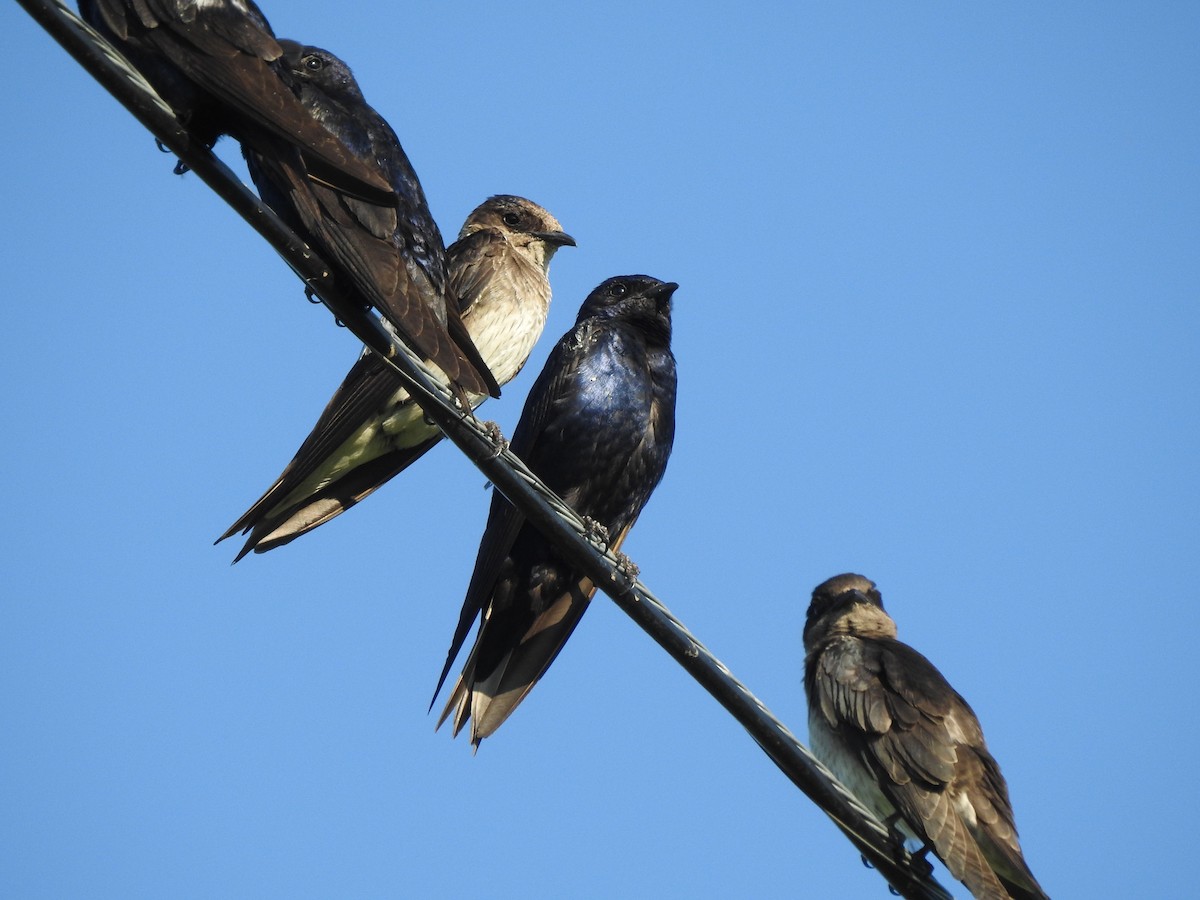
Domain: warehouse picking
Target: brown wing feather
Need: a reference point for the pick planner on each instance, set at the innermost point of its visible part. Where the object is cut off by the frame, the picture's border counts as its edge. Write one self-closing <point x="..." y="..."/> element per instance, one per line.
<point x="908" y="724"/>
<point x="473" y="262"/>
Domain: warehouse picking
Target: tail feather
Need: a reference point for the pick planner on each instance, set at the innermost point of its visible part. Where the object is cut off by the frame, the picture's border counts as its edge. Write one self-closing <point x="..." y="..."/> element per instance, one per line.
<point x="488" y="702"/>
<point x="271" y="528"/>
<point x="956" y="847"/>
<point x="1010" y="867"/>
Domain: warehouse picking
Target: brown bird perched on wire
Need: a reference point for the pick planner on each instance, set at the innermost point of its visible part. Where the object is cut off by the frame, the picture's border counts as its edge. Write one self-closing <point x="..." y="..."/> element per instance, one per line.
<point x="890" y="726"/>
<point x="371" y="429"/>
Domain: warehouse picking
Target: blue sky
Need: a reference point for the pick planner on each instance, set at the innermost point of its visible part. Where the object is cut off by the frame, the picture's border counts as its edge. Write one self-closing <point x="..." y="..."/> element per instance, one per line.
<point x="937" y="324"/>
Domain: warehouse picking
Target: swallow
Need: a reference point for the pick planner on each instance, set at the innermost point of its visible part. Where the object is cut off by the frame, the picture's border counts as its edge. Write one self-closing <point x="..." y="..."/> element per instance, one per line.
<point x="216" y="63"/>
<point x="372" y="430"/>
<point x="894" y="731"/>
<point x="597" y="428"/>
<point x="391" y="256"/>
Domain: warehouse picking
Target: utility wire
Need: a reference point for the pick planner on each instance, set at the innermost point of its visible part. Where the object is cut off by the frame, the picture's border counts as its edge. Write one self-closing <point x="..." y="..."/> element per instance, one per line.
<point x="908" y="876"/>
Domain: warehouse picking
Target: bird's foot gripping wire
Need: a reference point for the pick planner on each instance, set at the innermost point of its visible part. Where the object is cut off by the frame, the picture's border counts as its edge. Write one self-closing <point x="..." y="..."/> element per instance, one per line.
<point x="181" y="168"/>
<point x="627" y="567"/>
<point x="920" y="862"/>
<point x="917" y="860"/>
<point x="466" y="409"/>
<point x="595" y="532"/>
<point x="496" y="436"/>
<point x="891" y="887"/>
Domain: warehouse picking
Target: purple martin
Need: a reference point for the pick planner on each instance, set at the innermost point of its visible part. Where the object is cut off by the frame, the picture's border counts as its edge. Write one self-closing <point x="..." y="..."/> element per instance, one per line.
<point x="216" y="63"/>
<point x="371" y="430"/>
<point x="392" y="256"/>
<point x="597" y="428"/>
<point x="901" y="738"/>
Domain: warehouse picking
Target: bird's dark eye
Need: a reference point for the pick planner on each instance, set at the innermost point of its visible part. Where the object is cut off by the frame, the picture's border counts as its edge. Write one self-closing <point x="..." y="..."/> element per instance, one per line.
<point x="618" y="290"/>
<point x="511" y="219"/>
<point x="314" y="63"/>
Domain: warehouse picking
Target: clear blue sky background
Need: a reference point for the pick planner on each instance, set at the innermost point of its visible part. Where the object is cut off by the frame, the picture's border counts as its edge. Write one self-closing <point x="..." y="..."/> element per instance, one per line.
<point x="938" y="324"/>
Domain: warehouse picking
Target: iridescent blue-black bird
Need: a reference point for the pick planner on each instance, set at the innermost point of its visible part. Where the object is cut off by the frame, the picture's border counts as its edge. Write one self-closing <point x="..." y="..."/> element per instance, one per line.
<point x="216" y="64"/>
<point x="890" y="726"/>
<point x="392" y="256"/>
<point x="597" y="428"/>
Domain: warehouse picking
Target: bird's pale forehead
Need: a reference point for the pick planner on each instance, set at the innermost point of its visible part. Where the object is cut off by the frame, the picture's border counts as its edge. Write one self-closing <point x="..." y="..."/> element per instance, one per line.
<point x="841" y="583"/>
<point x="549" y="222"/>
<point x="866" y="620"/>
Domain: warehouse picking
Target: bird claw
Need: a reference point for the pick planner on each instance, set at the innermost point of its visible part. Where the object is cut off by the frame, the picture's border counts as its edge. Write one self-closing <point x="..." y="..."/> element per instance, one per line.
<point x="920" y="861"/>
<point x="895" y="835"/>
<point x="462" y="402"/>
<point x="598" y="535"/>
<point x="866" y="862"/>
<point x="496" y="436"/>
<point x="627" y="566"/>
<point x="595" y="532"/>
<point x="917" y="860"/>
<point x="181" y="168"/>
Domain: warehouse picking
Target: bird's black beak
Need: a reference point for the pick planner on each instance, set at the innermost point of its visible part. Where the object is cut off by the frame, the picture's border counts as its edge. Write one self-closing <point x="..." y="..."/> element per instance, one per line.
<point x="661" y="294"/>
<point x="555" y="238"/>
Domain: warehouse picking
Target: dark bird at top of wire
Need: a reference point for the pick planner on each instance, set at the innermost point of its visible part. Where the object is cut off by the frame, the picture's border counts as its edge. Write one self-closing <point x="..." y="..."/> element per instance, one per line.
<point x="217" y="64"/>
<point x="321" y="157"/>
<point x="392" y="256"/>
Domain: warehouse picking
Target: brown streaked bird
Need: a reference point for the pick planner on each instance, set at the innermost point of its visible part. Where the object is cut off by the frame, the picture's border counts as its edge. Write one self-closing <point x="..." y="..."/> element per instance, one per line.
<point x="890" y="726"/>
<point x="371" y="430"/>
<point x="597" y="428"/>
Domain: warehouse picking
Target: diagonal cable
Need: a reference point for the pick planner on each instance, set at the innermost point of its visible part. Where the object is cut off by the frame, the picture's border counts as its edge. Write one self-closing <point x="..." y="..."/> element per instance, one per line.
<point x="909" y="877"/>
